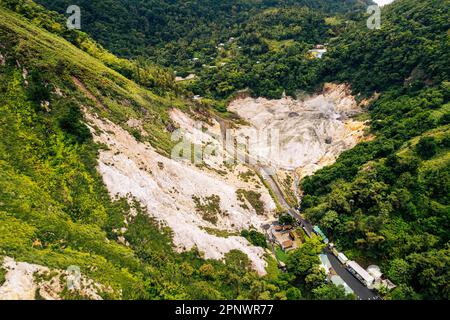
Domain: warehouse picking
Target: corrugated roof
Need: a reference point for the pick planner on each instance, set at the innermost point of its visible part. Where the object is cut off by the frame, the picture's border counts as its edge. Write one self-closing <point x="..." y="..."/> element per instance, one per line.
<point x="325" y="262"/>
<point x="342" y="257"/>
<point x="287" y="244"/>
<point x="337" y="281"/>
<point x="360" y="270"/>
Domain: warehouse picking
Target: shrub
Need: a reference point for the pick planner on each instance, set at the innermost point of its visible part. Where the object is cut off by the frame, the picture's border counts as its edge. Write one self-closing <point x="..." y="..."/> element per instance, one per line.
<point x="427" y="147"/>
<point x="255" y="238"/>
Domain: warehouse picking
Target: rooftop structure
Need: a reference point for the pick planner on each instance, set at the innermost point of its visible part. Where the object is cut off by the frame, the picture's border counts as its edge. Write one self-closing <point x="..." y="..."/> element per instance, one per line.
<point x="189" y="77"/>
<point x="360" y="273"/>
<point x="287" y="244"/>
<point x="342" y="258"/>
<point x="317" y="53"/>
<point x="338" y="281"/>
<point x="375" y="272"/>
<point x="326" y="264"/>
<point x="318" y="231"/>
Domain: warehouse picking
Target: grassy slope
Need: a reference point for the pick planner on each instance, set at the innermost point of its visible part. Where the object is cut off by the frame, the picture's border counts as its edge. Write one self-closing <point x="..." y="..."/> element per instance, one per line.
<point x="110" y="87"/>
<point x="54" y="208"/>
<point x="50" y="190"/>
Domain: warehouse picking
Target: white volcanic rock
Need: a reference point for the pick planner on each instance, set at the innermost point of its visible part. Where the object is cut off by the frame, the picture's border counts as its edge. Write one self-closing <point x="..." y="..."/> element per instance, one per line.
<point x="166" y="187"/>
<point x="313" y="132"/>
<point x="21" y="282"/>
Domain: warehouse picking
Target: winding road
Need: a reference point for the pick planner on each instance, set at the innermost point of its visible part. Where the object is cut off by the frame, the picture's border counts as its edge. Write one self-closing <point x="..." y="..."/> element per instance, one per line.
<point x="362" y="292"/>
<point x="266" y="172"/>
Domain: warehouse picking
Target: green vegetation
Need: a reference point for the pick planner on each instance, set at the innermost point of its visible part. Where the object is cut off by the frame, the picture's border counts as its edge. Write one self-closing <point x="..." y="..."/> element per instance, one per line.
<point x="228" y="45"/>
<point x="209" y="207"/>
<point x="255" y="238"/>
<point x="281" y="254"/>
<point x="387" y="200"/>
<point x="286" y="219"/>
<point x="288" y="192"/>
<point x="410" y="49"/>
<point x="175" y="31"/>
<point x="139" y="70"/>
<point x="331" y="292"/>
<point x="2" y="275"/>
<point x="221" y="233"/>
<point x="253" y="197"/>
<point x="427" y="147"/>
<point x="247" y="176"/>
<point x="304" y="264"/>
<point x="54" y="208"/>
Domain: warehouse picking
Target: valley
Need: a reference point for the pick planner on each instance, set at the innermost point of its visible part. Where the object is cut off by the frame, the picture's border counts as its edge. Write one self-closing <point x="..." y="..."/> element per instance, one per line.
<point x="168" y="188"/>
<point x="156" y="150"/>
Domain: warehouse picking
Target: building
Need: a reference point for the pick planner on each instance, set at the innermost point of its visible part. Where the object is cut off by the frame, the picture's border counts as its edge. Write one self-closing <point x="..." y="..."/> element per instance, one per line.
<point x="289" y="244"/>
<point x="292" y="235"/>
<point x="317" y="53"/>
<point x="380" y="281"/>
<point x="284" y="236"/>
<point x="375" y="272"/>
<point x="361" y="274"/>
<point x="338" y="281"/>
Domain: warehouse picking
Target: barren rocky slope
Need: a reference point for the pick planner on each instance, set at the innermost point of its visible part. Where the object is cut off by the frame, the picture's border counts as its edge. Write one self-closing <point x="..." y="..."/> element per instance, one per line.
<point x="313" y="131"/>
<point x="25" y="281"/>
<point x="168" y="189"/>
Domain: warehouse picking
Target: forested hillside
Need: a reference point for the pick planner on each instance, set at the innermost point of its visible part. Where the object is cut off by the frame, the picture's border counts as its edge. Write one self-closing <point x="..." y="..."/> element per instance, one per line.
<point x="387" y="200"/>
<point x="132" y="28"/>
<point x="55" y="210"/>
<point x="228" y="45"/>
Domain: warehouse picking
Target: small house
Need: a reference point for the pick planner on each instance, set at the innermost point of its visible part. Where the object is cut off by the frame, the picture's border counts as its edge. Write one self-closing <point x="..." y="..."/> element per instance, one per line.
<point x="292" y="235"/>
<point x="289" y="244"/>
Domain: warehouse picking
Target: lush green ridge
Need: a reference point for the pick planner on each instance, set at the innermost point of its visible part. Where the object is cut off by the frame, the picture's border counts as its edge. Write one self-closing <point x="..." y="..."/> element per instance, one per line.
<point x="411" y="48"/>
<point x="136" y="27"/>
<point x="269" y="55"/>
<point x="387" y="200"/>
<point x="384" y="202"/>
<point x="141" y="71"/>
<point x="54" y="208"/>
<point x="228" y="45"/>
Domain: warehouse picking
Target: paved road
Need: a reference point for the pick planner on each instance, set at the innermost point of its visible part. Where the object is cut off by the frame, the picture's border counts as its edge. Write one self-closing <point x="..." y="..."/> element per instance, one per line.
<point x="358" y="288"/>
